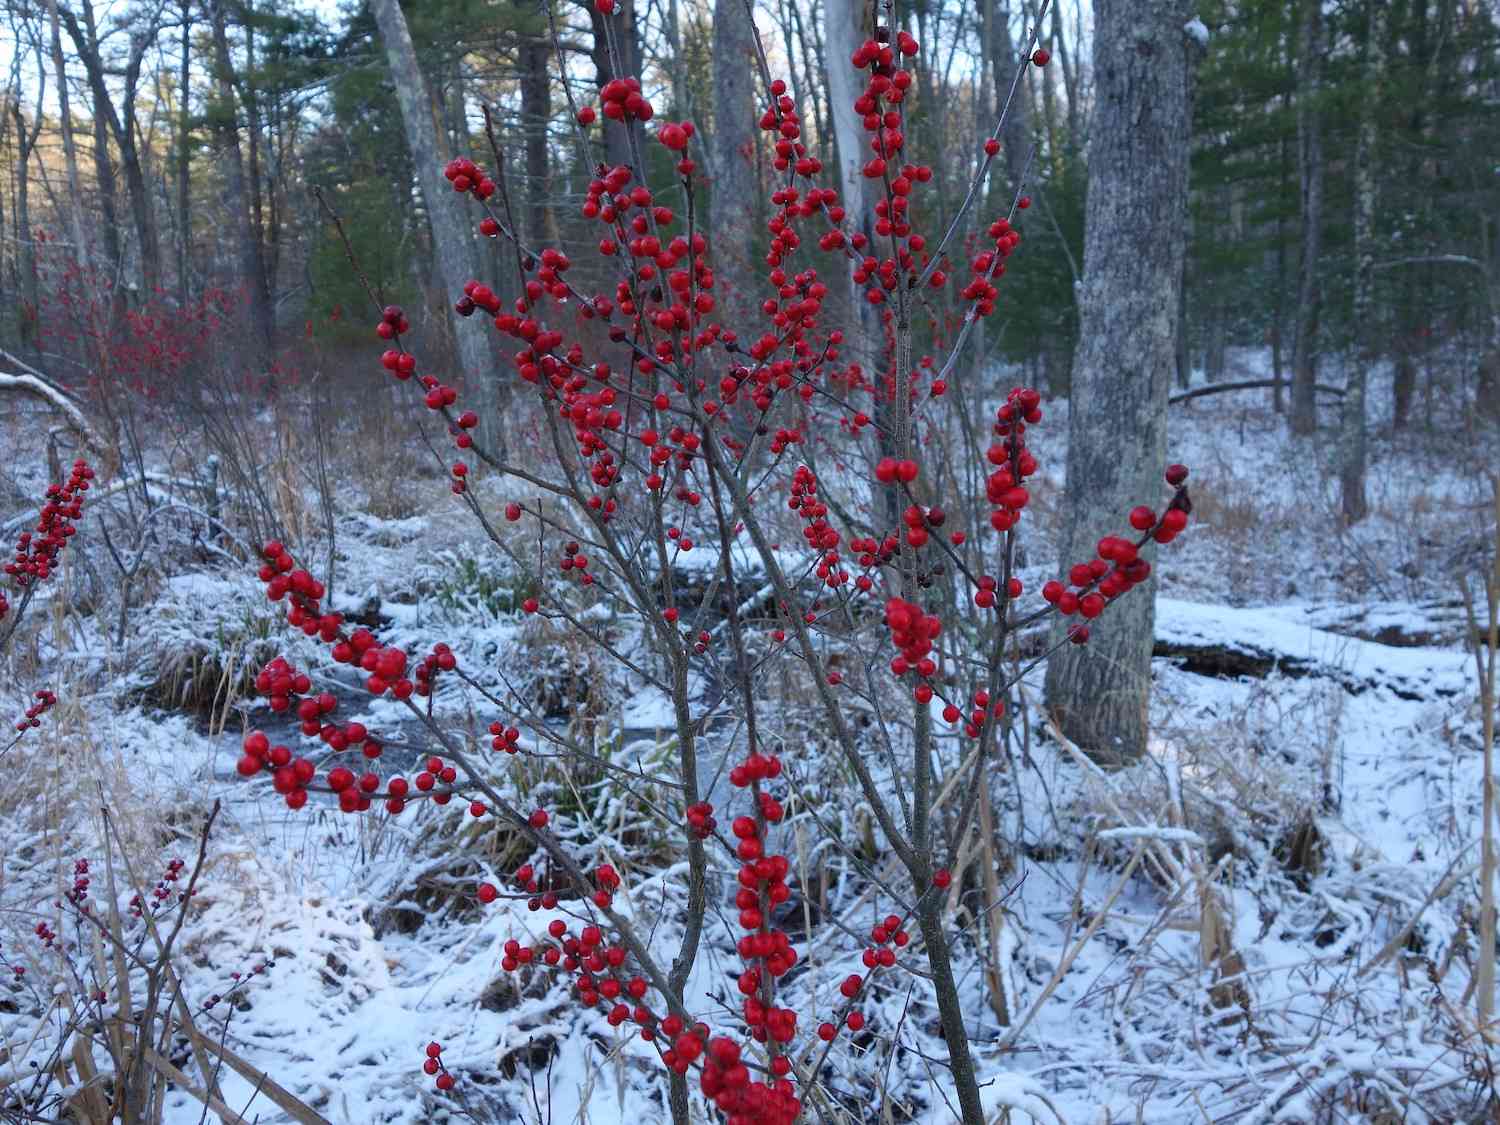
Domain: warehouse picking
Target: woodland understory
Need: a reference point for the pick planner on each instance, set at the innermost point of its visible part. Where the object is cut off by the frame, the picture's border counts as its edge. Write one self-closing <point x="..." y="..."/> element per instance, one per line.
<point x="761" y="563"/>
<point x="1270" y="918"/>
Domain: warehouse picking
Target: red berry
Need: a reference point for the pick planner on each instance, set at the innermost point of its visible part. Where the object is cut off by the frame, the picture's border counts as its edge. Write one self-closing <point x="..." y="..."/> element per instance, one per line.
<point x="1041" y="56"/>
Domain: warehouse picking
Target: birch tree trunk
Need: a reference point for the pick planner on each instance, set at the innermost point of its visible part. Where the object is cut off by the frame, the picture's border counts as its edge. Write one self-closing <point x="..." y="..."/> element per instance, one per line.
<point x="1134" y="245"/>
<point x="1352" y="432"/>
<point x="1304" y="414"/>
<point x="452" y="230"/>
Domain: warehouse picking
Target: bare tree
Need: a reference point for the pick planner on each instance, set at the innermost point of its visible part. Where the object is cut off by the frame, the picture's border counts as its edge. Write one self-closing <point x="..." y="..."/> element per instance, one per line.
<point x="74" y="208"/>
<point x="451" y="235"/>
<point x="247" y="230"/>
<point x="26" y="138"/>
<point x="120" y="120"/>
<point x="1133" y="252"/>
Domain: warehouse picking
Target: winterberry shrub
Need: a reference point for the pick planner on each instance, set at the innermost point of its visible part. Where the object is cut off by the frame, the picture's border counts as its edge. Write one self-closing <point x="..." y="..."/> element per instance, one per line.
<point x="800" y="450"/>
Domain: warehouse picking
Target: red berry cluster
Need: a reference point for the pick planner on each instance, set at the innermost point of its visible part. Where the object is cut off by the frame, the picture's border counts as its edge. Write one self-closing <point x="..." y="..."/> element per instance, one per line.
<point x="820" y="535"/>
<point x="386" y="664"/>
<point x="576" y="563"/>
<point x="37" y="550"/>
<point x="466" y="176"/>
<point x="281" y="683"/>
<point x="80" y="888"/>
<point x="620" y="99"/>
<point x="990" y="264"/>
<point x="504" y="738"/>
<point x="1004" y="488"/>
<point x="239" y="981"/>
<point x="700" y="820"/>
<point x="393" y="323"/>
<point x="727" y="1083"/>
<point x="162" y="892"/>
<point x="886" y="938"/>
<point x="290" y="777"/>
<point x="45" y="701"/>
<point x="912" y="632"/>
<point x="440" y="659"/>
<point x="436" y="771"/>
<point x="433" y="1064"/>
<point x="675" y="136"/>
<point x="974" y="725"/>
<point x="1118" y="566"/>
<point x="888" y="470"/>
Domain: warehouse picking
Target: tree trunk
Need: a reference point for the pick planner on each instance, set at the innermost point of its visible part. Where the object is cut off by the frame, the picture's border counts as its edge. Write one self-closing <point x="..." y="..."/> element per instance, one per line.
<point x="1182" y="353"/>
<point x="252" y="263"/>
<point x="536" y="111"/>
<point x="184" y="183"/>
<point x="814" y="90"/>
<point x="1133" y="253"/>
<point x="121" y="124"/>
<point x="26" y="242"/>
<point x="70" y="145"/>
<point x="732" y="211"/>
<point x="1015" y="138"/>
<point x="452" y="230"/>
<point x="1278" y="316"/>
<point x="621" y="62"/>
<point x="1352" y="434"/>
<point x="1304" y="414"/>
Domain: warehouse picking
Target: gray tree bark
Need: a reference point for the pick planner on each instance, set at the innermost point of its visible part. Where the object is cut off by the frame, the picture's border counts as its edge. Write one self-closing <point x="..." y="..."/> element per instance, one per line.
<point x="246" y="229"/>
<point x="1304" y="414"/>
<point x="1133" y="252"/>
<point x="452" y="228"/>
<point x="1015" y="138"/>
<point x="731" y="202"/>
<point x="616" y="54"/>
<point x="70" y="145"/>
<point x="536" y="111"/>
<point x="845" y="29"/>
<point x="184" y="141"/>
<point x="1352" y="427"/>
<point x="26" y="139"/>
<point x="122" y="124"/>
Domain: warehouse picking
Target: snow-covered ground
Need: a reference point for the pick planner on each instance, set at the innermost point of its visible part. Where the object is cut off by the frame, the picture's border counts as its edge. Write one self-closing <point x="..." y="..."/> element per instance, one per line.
<point x="1320" y="806"/>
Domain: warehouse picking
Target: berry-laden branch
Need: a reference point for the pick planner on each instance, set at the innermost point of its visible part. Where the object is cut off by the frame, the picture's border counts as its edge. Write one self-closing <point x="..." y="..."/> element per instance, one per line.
<point x="650" y="403"/>
<point x="38" y="550"/>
